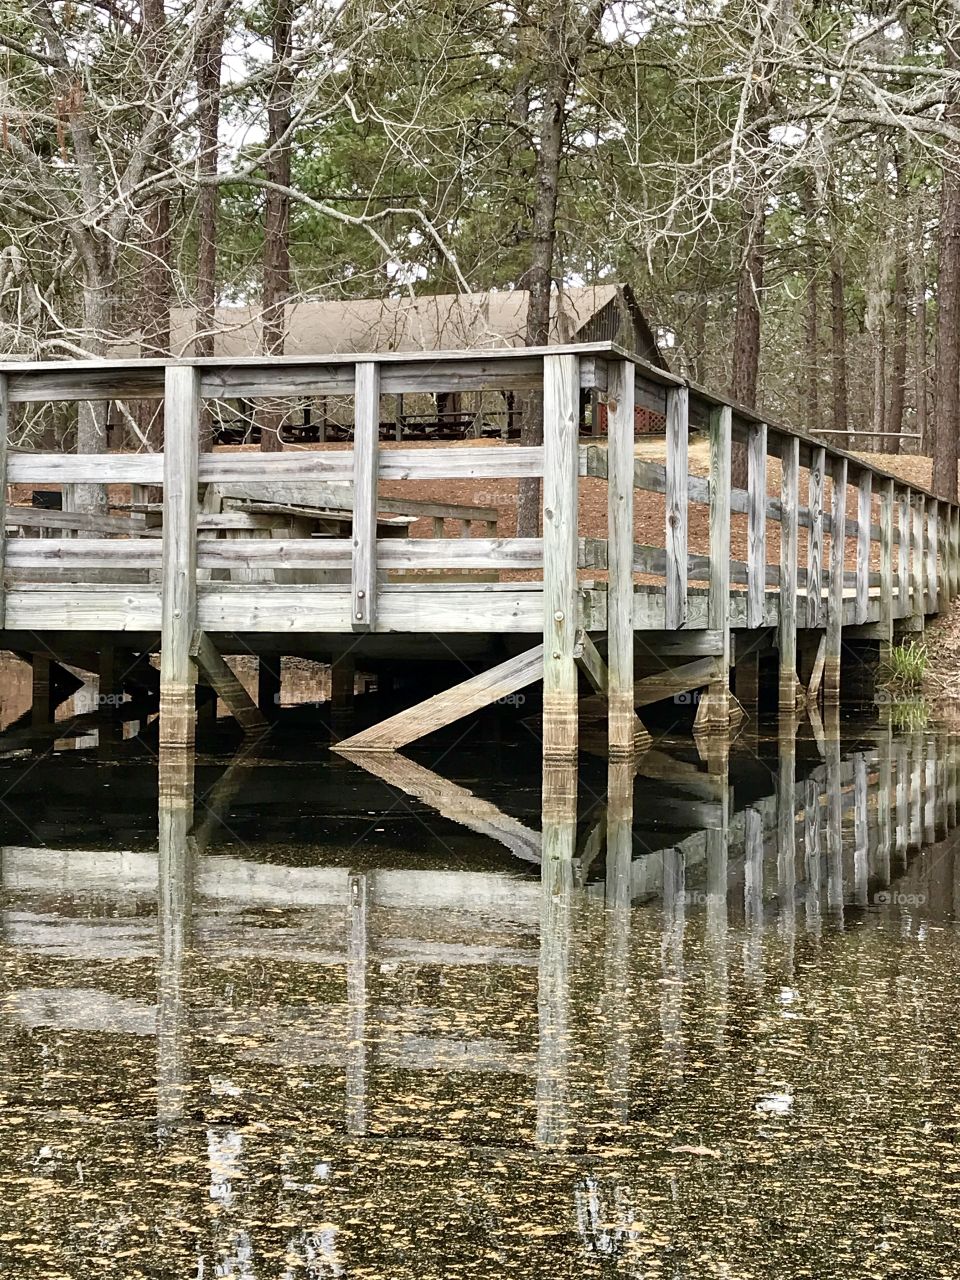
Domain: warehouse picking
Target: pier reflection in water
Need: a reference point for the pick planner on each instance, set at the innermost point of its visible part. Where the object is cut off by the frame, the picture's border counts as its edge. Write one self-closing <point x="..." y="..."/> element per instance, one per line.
<point x="698" y="1021"/>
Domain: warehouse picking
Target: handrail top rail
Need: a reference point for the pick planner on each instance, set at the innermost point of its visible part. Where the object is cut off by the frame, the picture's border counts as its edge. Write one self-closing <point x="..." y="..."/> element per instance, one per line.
<point x="445" y="356"/>
<point x="22" y="369"/>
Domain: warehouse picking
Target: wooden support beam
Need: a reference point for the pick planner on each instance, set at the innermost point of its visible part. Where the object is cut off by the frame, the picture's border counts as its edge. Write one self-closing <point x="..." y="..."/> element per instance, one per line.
<point x="366" y="451"/>
<point x="561" y="463"/>
<point x="818" y="470"/>
<point x="621" y="720"/>
<point x="591" y="664"/>
<point x="887" y="500"/>
<point x="41" y="705"/>
<point x="228" y="688"/>
<point x="864" y="502"/>
<point x="179" y="576"/>
<point x="903" y="554"/>
<point x="756" y="522"/>
<point x="918" y="559"/>
<point x="269" y="683"/>
<point x="676" y="507"/>
<point x="954" y="552"/>
<point x="930" y="545"/>
<point x="789" y="500"/>
<point x="453" y="704"/>
<point x="831" y="670"/>
<point x="343" y="677"/>
<point x="714" y="709"/>
<point x="816" y="675"/>
<point x="675" y="680"/>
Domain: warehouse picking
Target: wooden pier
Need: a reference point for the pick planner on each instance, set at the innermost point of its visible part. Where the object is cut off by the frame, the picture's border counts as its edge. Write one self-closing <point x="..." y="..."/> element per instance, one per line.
<point x="304" y="553"/>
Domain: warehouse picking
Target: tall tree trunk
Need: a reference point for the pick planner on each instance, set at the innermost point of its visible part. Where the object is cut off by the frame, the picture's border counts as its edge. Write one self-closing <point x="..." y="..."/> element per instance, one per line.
<point x="276" y="237"/>
<point x="156" y="278"/>
<point x="838" y="326"/>
<point x="898" y="370"/>
<point x="745" y="369"/>
<point x="209" y="60"/>
<point x="946" y="405"/>
<point x="813" y="353"/>
<point x="560" y="55"/>
<point x="878" y="412"/>
<point x="920" y="337"/>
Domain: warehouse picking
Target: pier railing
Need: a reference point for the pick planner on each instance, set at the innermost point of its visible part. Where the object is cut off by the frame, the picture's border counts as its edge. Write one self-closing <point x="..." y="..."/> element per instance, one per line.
<point x="327" y="549"/>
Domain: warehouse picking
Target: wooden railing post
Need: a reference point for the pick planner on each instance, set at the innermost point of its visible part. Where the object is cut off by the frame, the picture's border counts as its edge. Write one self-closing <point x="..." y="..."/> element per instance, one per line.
<point x="886" y="566"/>
<point x="561" y="397"/>
<point x="918" y="559"/>
<point x="931" y="572"/>
<point x="789" y="503"/>
<point x="864" y="505"/>
<point x="4" y="444"/>
<point x="178" y="610"/>
<point x="621" y="720"/>
<point x="838" y="524"/>
<point x="676" y="507"/>
<point x="818" y="469"/>
<point x="954" y="551"/>
<point x="714" y="710"/>
<point x="366" y="454"/>
<point x="903" y="553"/>
<point x="756" y="522"/>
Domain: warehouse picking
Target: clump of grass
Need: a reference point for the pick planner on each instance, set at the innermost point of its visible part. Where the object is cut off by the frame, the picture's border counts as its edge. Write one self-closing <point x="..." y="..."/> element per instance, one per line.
<point x="910" y="715"/>
<point x="907" y="665"/>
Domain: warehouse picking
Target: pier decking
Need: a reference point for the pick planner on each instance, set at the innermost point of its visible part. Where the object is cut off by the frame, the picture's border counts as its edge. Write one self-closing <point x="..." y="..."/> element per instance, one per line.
<point x="302" y="553"/>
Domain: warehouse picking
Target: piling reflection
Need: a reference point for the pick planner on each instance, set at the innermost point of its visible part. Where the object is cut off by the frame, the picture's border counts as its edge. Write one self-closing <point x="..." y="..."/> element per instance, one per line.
<point x="557" y="1055"/>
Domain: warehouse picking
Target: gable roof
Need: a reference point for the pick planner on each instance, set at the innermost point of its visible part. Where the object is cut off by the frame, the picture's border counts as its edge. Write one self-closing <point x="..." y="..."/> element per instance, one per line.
<point x="432" y="322"/>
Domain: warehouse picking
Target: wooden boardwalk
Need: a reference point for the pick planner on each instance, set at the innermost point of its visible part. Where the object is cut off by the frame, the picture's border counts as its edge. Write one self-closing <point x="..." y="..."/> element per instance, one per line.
<point x="300" y="552"/>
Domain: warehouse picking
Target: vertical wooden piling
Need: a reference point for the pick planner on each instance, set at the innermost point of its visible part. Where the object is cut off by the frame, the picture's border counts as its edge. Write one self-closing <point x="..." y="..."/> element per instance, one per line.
<point x="838" y="524"/>
<point x="269" y="683"/>
<point x="917" y="559"/>
<point x="818" y="469"/>
<point x="366" y="452"/>
<point x="676" y="507"/>
<point x="756" y="522"/>
<point x="342" y="684"/>
<point x="887" y="498"/>
<point x="714" y="709"/>
<point x="789" y="502"/>
<point x="930" y="545"/>
<point x="621" y="721"/>
<point x="903" y="554"/>
<point x="179" y="586"/>
<point x="864" y="505"/>
<point x="561" y="398"/>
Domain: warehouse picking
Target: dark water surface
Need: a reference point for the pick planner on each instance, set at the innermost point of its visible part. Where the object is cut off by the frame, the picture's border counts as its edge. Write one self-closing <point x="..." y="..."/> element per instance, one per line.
<point x="339" y="1024"/>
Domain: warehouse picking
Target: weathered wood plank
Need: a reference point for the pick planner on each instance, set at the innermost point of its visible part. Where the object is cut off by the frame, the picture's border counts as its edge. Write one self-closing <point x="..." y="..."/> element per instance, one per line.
<point x="756" y="522"/>
<point x="221" y="678"/>
<point x="903" y="553"/>
<point x="714" y="709"/>
<point x="676" y="507"/>
<point x="818" y="468"/>
<point x="676" y="680"/>
<point x="831" y="671"/>
<point x="17" y="517"/>
<point x="621" y="720"/>
<point x="591" y="664"/>
<point x="864" y="501"/>
<point x="887" y="499"/>
<point x="453" y="704"/>
<point x="561" y="383"/>
<point x="788" y="574"/>
<point x="931" y="569"/>
<point x="918" y="558"/>
<point x="84" y="468"/>
<point x="816" y="675"/>
<point x="179" y="574"/>
<point x="366" y="446"/>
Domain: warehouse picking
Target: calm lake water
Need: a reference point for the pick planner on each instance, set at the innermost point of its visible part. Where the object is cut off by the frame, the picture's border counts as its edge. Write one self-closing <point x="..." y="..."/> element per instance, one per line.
<point x="330" y="1023"/>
